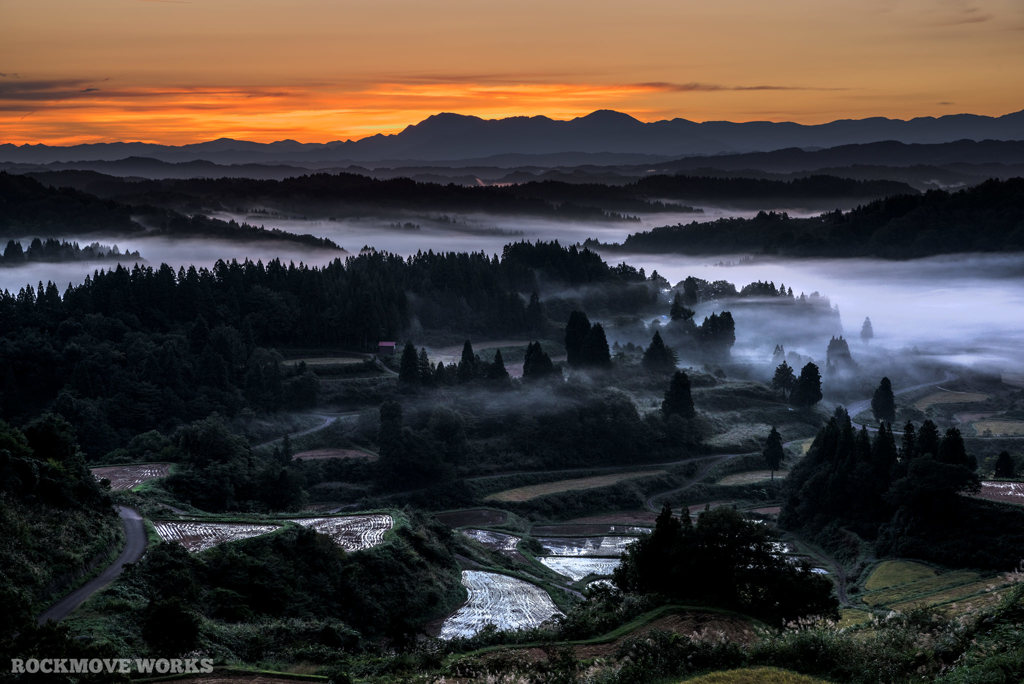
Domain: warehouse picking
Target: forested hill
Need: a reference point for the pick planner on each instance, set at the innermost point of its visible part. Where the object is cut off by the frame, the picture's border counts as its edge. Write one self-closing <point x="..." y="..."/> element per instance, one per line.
<point x="55" y="251"/>
<point x="746" y="191"/>
<point x="346" y="194"/>
<point x="133" y="349"/>
<point x="986" y="218"/>
<point x="28" y="207"/>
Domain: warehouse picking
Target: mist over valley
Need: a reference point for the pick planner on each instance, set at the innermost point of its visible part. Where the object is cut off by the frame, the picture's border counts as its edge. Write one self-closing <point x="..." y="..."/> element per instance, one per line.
<point x="418" y="426"/>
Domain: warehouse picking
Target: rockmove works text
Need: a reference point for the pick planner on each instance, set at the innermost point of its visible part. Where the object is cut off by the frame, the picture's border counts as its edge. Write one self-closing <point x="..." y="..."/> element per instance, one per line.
<point x="111" y="665"/>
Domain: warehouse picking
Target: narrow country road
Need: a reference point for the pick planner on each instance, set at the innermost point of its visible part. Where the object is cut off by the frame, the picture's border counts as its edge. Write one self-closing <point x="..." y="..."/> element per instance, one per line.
<point x="135" y="544"/>
<point x="864" y="404"/>
<point x="326" y="420"/>
<point x="652" y="501"/>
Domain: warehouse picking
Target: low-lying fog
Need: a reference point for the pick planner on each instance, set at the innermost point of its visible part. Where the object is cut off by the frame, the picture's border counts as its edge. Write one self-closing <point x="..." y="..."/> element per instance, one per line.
<point x="470" y="233"/>
<point x="964" y="308"/>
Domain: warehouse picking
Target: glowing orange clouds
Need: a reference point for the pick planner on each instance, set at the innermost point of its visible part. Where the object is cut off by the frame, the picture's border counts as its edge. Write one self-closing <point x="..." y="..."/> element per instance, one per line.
<point x="70" y="112"/>
<point x="320" y="70"/>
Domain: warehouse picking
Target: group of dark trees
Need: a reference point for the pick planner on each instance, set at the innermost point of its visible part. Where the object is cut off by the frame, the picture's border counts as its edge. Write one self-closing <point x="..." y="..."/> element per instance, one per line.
<point x="537" y="364"/>
<point x="983" y="218"/>
<point x="711" y="341"/>
<point x="838" y="360"/>
<point x="113" y="377"/>
<point x="804" y="390"/>
<point x="716" y="335"/>
<point x="724" y="561"/>
<point x="429" y="449"/>
<point x="419" y="458"/>
<point x="848" y="478"/>
<point x="696" y="290"/>
<point x="415" y="368"/>
<point x="134" y="349"/>
<point x="53" y="250"/>
<point x="586" y="345"/>
<point x="905" y="499"/>
<point x="658" y="357"/>
<point x="217" y="471"/>
<point x="31" y="208"/>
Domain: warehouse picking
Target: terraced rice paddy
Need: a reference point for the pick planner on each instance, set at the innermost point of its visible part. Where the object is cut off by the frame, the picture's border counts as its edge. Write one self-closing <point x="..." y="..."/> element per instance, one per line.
<point x="739" y="435"/>
<point x="848" y="617"/>
<point x="1005" y="492"/>
<point x="323" y="454"/>
<point x="589" y="529"/>
<point x="755" y="675"/>
<point x="902" y="585"/>
<point x="506" y="602"/>
<point x="543" y="489"/>
<point x="473" y="517"/>
<point x="496" y="541"/>
<point x="200" y="536"/>
<point x="918" y="590"/>
<point x="576" y="568"/>
<point x="752" y="477"/>
<point x="351" y="532"/>
<point x="313" y="362"/>
<point x="126" y="477"/>
<point x="894" y="573"/>
<point x="953" y="593"/>
<point x="990" y="428"/>
<point x="949" y="397"/>
<point x="586" y="546"/>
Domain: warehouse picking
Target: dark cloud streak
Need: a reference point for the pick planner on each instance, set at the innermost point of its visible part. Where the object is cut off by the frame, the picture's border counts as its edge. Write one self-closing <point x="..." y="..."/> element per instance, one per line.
<point x="717" y="87"/>
<point x="79" y="89"/>
<point x="42" y="90"/>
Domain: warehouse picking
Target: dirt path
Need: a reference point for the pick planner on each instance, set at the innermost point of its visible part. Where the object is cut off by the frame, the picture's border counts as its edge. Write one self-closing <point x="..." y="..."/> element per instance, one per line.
<point x="651" y="503"/>
<point x="568" y="472"/>
<point x="711" y="461"/>
<point x="837" y="571"/>
<point x="326" y="420"/>
<point x="135" y="545"/>
<point x="381" y="366"/>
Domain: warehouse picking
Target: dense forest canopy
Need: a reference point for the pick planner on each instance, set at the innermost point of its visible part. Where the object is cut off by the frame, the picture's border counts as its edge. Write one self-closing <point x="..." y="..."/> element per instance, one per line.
<point x="906" y="500"/>
<point x="985" y="218"/>
<point x="148" y="346"/>
<point x="349" y="194"/>
<point x="28" y="207"/>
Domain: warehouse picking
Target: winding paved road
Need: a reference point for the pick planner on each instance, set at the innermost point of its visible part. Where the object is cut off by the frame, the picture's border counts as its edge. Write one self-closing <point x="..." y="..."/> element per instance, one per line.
<point x="135" y="545"/>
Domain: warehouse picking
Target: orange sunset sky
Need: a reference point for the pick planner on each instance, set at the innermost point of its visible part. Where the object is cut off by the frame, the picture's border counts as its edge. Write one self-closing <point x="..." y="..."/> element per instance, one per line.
<point x="180" y="71"/>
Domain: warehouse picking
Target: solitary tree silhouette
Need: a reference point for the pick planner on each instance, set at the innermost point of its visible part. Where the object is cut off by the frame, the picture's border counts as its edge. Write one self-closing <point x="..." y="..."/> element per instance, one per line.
<point x="883" y="403"/>
<point x="773" y="452"/>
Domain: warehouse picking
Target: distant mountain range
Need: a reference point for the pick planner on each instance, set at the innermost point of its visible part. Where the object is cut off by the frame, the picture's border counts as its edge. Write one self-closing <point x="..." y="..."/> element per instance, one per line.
<point x="942" y="165"/>
<point x="603" y="137"/>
